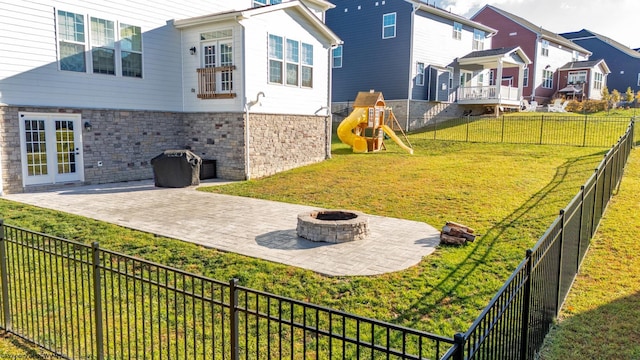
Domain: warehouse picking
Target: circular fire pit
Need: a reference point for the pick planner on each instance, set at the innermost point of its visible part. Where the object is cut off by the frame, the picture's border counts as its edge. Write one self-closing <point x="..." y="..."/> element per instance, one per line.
<point x="334" y="226"/>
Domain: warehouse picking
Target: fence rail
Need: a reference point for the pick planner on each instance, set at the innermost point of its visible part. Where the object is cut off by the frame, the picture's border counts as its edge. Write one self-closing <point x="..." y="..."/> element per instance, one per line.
<point x="83" y="302"/>
<point x="517" y="319"/>
<point x="587" y="131"/>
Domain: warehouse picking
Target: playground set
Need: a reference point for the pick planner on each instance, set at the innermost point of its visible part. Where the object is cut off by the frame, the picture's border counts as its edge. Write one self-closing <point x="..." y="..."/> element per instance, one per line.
<point x="370" y="120"/>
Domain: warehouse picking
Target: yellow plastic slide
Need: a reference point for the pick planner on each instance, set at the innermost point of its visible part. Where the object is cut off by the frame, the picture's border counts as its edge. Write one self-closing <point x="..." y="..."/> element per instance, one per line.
<point x="345" y="130"/>
<point x="387" y="130"/>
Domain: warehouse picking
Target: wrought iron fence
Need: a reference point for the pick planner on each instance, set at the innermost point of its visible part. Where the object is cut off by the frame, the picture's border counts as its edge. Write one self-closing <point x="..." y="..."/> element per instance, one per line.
<point x="83" y="302"/>
<point x="517" y="319"/>
<point x="584" y="131"/>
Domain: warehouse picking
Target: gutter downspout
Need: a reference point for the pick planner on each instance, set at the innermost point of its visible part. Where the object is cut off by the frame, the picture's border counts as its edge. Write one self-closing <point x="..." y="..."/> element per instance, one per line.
<point x="329" y="127"/>
<point x="247" y="158"/>
<point x="413" y="14"/>
<point x="533" y="78"/>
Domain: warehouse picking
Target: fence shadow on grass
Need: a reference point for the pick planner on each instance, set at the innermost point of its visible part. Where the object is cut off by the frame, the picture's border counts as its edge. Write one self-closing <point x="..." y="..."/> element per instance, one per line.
<point x="480" y="253"/>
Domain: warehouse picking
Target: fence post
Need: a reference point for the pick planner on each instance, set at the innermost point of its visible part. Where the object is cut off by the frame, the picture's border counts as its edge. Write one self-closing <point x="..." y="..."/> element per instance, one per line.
<point x="558" y="300"/>
<point x="233" y="309"/>
<point x="460" y="340"/>
<point x="502" y="134"/>
<point x="541" y="127"/>
<point x="5" y="279"/>
<point x="526" y="309"/>
<point x="467" y="135"/>
<point x="584" y="134"/>
<point x="97" y="298"/>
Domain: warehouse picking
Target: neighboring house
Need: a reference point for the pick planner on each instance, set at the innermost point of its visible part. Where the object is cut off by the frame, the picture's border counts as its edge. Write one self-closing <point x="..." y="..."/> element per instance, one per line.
<point x="623" y="61"/>
<point x="90" y="92"/>
<point x="409" y="50"/>
<point x="583" y="80"/>
<point x="548" y="51"/>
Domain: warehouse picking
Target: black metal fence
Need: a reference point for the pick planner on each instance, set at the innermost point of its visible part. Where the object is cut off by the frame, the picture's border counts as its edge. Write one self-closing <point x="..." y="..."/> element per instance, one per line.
<point x="517" y="319"/>
<point x="543" y="130"/>
<point x="83" y="302"/>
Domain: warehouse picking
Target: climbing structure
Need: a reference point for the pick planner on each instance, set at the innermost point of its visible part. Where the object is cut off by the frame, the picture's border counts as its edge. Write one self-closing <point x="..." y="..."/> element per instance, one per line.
<point x="370" y="119"/>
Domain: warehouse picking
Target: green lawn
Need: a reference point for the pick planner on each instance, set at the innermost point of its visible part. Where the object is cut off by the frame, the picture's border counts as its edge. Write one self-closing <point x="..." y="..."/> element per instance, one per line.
<point x="509" y="193"/>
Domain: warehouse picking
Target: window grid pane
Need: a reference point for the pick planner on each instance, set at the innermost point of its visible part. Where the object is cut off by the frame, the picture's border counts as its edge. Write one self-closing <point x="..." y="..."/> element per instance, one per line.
<point x="131" y="64"/>
<point x="388" y="25"/>
<point x="292" y="74"/>
<point x="275" y="47"/>
<point x="36" y="144"/>
<point x="292" y="51"/>
<point x="307" y="54"/>
<point x="130" y="38"/>
<point x="337" y="57"/>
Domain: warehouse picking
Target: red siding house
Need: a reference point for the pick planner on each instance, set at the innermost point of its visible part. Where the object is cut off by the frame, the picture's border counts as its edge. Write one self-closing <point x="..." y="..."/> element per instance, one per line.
<point x="582" y="80"/>
<point x="548" y="51"/>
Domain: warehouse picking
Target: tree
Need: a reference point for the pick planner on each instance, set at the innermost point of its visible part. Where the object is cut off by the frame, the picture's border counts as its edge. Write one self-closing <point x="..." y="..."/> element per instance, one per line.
<point x="615" y="98"/>
<point x="606" y="97"/>
<point x="628" y="96"/>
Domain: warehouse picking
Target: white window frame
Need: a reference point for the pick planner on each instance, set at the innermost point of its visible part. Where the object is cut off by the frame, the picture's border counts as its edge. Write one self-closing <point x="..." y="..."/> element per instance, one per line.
<point x="575" y="56"/>
<point x="547" y="79"/>
<point x="545" y="48"/>
<point x="103" y="40"/>
<point x="525" y="77"/>
<point x="598" y="80"/>
<point x="298" y="57"/>
<point x="577" y="77"/>
<point x="638" y="79"/>
<point x="64" y="38"/>
<point x="478" y="40"/>
<point x="274" y="57"/>
<point x="457" y="30"/>
<point x="419" y="73"/>
<point x="451" y="71"/>
<point x="259" y="3"/>
<point x="389" y="25"/>
<point x="337" y="54"/>
<point x="492" y="78"/>
<point x="91" y="44"/>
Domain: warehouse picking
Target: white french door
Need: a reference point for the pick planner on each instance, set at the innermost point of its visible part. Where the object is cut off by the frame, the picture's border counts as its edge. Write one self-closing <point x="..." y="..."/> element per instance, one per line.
<point x="51" y="147"/>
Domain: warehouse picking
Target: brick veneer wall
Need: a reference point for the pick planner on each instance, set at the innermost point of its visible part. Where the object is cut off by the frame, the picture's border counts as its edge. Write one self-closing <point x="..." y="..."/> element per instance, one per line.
<point x="126" y="141"/>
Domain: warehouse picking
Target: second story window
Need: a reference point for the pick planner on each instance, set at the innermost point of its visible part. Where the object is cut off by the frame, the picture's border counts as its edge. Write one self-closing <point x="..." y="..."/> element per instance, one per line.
<point x="276" y="57"/>
<point x="545" y="48"/>
<point x="115" y="48"/>
<point x="71" y="41"/>
<point x="478" y="39"/>
<point x="420" y="74"/>
<point x="575" y="56"/>
<point x="457" y="31"/>
<point x="547" y="79"/>
<point x="103" y="46"/>
<point x="389" y="26"/>
<point x="290" y="62"/>
<point x="337" y="57"/>
<point x="258" y="3"/>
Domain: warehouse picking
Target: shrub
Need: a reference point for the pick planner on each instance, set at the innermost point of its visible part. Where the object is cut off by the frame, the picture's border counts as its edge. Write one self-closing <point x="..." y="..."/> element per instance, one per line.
<point x="587" y="106"/>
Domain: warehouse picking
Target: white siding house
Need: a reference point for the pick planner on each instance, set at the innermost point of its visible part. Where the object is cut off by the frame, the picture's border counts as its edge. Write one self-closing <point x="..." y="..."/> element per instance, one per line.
<point x="91" y="91"/>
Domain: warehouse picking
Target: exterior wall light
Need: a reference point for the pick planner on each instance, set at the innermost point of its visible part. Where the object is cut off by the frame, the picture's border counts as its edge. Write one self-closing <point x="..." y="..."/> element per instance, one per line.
<point x="192" y="51"/>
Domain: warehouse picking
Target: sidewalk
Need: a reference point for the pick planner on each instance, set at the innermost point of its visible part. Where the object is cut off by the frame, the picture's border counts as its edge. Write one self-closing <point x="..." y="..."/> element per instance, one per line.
<point x="252" y="227"/>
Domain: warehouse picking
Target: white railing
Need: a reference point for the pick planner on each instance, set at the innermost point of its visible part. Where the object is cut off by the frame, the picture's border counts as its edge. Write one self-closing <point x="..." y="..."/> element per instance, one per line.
<point x="470" y="93"/>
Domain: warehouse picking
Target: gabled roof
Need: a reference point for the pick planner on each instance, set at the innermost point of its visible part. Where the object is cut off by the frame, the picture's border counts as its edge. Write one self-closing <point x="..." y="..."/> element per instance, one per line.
<point x="588" y="34"/>
<point x="239" y="15"/>
<point x="545" y="34"/>
<point x="367" y="98"/>
<point x="589" y="64"/>
<point x="420" y="5"/>
<point x="511" y="55"/>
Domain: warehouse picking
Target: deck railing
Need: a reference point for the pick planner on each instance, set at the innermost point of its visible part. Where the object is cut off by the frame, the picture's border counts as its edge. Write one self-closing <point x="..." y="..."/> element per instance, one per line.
<point x="216" y="82"/>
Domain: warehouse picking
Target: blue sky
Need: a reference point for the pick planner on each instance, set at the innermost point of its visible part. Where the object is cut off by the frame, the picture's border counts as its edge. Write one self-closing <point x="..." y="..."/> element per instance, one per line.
<point x="616" y="19"/>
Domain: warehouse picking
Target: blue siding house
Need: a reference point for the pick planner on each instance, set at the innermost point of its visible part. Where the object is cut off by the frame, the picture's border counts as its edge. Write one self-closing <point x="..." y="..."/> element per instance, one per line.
<point x="410" y="50"/>
<point x="623" y="62"/>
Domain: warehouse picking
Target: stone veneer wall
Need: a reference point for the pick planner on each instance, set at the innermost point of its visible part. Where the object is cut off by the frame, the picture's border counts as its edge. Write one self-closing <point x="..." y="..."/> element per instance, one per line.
<point x="126" y="141"/>
<point x="218" y="136"/>
<point x="283" y="142"/>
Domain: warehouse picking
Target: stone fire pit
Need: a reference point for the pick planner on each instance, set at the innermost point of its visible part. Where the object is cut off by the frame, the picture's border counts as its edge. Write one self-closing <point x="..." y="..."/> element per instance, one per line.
<point x="334" y="226"/>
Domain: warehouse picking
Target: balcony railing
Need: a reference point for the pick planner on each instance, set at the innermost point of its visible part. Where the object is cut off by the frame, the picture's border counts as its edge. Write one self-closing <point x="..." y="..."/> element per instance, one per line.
<point x="216" y="82"/>
<point x="470" y="93"/>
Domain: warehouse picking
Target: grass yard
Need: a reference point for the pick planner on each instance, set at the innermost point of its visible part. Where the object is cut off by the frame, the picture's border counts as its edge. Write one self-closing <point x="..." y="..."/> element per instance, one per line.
<point x="509" y="193"/>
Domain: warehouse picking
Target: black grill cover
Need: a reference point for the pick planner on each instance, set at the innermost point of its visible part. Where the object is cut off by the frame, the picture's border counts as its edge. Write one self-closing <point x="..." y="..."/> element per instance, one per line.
<point x="176" y="168"/>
